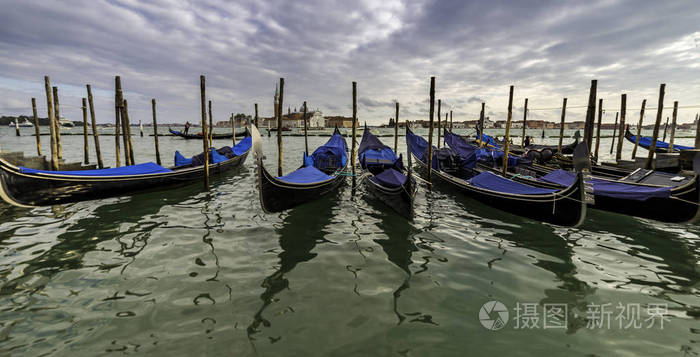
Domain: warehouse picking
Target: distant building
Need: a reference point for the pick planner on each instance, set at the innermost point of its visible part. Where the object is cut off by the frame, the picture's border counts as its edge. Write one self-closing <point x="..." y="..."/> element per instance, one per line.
<point x="339" y="121"/>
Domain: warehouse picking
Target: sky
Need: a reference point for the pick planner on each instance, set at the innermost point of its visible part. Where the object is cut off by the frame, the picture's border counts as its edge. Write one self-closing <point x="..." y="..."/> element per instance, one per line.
<point x="548" y="50"/>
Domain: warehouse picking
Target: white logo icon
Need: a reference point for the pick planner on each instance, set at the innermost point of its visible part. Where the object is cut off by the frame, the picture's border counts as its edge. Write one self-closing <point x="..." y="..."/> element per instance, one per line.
<point x="493" y="315"/>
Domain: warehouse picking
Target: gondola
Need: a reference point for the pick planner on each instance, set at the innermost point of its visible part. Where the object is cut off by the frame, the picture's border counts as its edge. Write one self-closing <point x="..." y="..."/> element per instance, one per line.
<point x="565" y="207"/>
<point x="543" y="150"/>
<point x="385" y="176"/>
<point x="199" y="135"/>
<point x="661" y="146"/>
<point x="641" y="193"/>
<point x="25" y="187"/>
<point x="320" y="173"/>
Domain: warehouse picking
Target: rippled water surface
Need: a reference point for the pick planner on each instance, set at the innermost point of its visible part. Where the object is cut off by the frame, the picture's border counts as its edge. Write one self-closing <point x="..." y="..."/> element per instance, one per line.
<point x="187" y="272"/>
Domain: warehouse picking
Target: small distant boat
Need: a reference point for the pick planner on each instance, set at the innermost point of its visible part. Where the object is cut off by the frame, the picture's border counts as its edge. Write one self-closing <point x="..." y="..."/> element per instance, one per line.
<point x="199" y="135"/>
<point x="385" y="176"/>
<point x="661" y="146"/>
<point x="283" y="129"/>
<point x="25" y="124"/>
<point x="321" y="173"/>
<point x="66" y="123"/>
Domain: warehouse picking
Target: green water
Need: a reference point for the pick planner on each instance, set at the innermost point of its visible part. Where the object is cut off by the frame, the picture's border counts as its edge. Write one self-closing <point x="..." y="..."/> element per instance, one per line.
<point x="188" y="272"/>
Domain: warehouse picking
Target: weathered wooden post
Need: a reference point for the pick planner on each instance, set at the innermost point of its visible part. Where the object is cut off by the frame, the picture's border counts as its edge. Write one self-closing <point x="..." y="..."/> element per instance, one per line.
<point x="127" y="132"/>
<point x="279" y="129"/>
<point x="450" y="120"/>
<point x="444" y="128"/>
<point x="57" y="123"/>
<point x="36" y="128"/>
<point x="600" y="119"/>
<point x="561" y="124"/>
<point x="655" y="135"/>
<point x="481" y="124"/>
<point x="639" y="128"/>
<point x="506" y="144"/>
<point x="621" y="131"/>
<point x="141" y="127"/>
<point x="522" y="142"/>
<point x="155" y="130"/>
<point x="396" y="130"/>
<point x="354" y="129"/>
<point x="205" y="140"/>
<point x="665" y="129"/>
<point x="86" y="154"/>
<point x="94" y="129"/>
<point x="612" y="145"/>
<point x="430" y="131"/>
<point x="306" y="139"/>
<point x="590" y="114"/>
<point x="673" y="126"/>
<point x="17" y="127"/>
<point x="117" y="118"/>
<point x="52" y="126"/>
<point x="439" y="118"/>
<point x="211" y="127"/>
<point x="233" y="128"/>
<point x="256" y="114"/>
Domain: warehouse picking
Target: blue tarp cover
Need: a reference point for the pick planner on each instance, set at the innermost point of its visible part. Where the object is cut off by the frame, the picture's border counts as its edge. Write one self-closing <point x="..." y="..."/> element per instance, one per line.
<point x="489" y="140"/>
<point x="609" y="188"/>
<point x="494" y="182"/>
<point x="418" y="145"/>
<point x="645" y="142"/>
<point x="181" y="160"/>
<point x="389" y="178"/>
<point x="139" y="169"/>
<point x="242" y="146"/>
<point x="216" y="157"/>
<point x="377" y="157"/>
<point x="332" y="154"/>
<point x="308" y="174"/>
<point x="466" y="151"/>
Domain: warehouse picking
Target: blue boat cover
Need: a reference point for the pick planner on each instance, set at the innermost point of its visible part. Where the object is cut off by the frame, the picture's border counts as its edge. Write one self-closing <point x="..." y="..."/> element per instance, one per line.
<point x="243" y="146"/>
<point x="216" y="157"/>
<point x="493" y="182"/>
<point x="489" y="140"/>
<point x="645" y="142"/>
<point x="610" y="188"/>
<point x="307" y="174"/>
<point x="485" y="154"/>
<point x="181" y="160"/>
<point x="331" y="155"/>
<point x="389" y="178"/>
<point x="139" y="169"/>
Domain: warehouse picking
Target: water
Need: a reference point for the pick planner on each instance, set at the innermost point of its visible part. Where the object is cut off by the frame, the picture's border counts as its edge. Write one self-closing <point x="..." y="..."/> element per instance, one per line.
<point x="187" y="272"/>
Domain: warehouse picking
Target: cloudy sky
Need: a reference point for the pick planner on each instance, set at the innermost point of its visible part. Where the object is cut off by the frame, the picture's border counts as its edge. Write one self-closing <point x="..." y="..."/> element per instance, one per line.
<point x="547" y="49"/>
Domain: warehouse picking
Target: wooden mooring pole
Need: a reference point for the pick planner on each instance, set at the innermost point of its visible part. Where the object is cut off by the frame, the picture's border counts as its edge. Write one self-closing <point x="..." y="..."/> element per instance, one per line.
<point x="597" y="131"/>
<point x="354" y="129"/>
<point x="211" y="127"/>
<point x="279" y="129"/>
<point x="155" y="130"/>
<point x="233" y="128"/>
<point x="141" y="128"/>
<point x="95" y="134"/>
<point x="590" y="114"/>
<point x="673" y="126"/>
<point x="127" y="132"/>
<point x="506" y="144"/>
<point x="655" y="135"/>
<point x="561" y="125"/>
<point x="86" y="153"/>
<point x="117" y="118"/>
<point x="439" y="118"/>
<point x="450" y="120"/>
<point x="17" y="127"/>
<point x="612" y="145"/>
<point x="430" y="131"/>
<point x="522" y="141"/>
<point x="52" y="125"/>
<point x="396" y="130"/>
<point x="621" y="130"/>
<point x="481" y="124"/>
<point x="57" y="123"/>
<point x="697" y="131"/>
<point x="665" y="129"/>
<point x="256" y="114"/>
<point x="306" y="138"/>
<point x="37" y="132"/>
<point x="639" y="129"/>
<point x="205" y="140"/>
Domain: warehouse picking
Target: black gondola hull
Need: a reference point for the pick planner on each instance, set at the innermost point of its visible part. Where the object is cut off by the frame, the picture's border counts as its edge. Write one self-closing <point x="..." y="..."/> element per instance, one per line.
<point x="277" y="195"/>
<point x="24" y="189"/>
<point x="400" y="199"/>
<point x="565" y="208"/>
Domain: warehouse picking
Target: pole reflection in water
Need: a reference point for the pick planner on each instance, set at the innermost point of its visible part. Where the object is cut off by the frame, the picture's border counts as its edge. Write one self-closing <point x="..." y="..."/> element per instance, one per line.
<point x="302" y="229"/>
